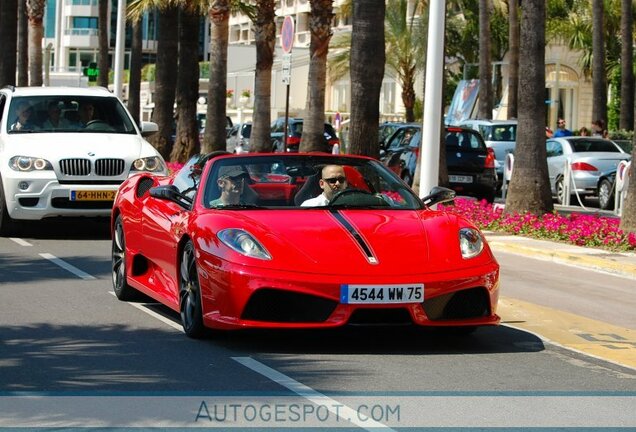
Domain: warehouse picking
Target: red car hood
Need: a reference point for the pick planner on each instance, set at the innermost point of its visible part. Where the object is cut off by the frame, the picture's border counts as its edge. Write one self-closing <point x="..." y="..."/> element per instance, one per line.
<point x="351" y="242"/>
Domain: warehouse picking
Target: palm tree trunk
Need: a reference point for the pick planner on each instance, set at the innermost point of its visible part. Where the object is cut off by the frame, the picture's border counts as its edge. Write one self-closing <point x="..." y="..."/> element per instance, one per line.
<point x="265" y="33"/>
<point x="35" y="10"/>
<point x="187" y="140"/>
<point x="626" y="120"/>
<point x="628" y="218"/>
<point x="320" y="19"/>
<point x="215" y="134"/>
<point x="9" y="41"/>
<point x="102" y="63"/>
<point x="530" y="188"/>
<point x="166" y="79"/>
<point x="513" y="69"/>
<point x="599" y="80"/>
<point x="485" y="64"/>
<point x="134" y="78"/>
<point x="23" y="45"/>
<point x="367" y="71"/>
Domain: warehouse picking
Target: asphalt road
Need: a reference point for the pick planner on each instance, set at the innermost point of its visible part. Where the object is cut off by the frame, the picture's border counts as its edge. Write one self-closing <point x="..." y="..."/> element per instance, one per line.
<point x="62" y="330"/>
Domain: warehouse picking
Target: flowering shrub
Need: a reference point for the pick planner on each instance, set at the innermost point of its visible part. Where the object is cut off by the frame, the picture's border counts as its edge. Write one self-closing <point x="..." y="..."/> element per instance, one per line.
<point x="246" y="93"/>
<point x="229" y="93"/>
<point x="576" y="228"/>
<point x="173" y="166"/>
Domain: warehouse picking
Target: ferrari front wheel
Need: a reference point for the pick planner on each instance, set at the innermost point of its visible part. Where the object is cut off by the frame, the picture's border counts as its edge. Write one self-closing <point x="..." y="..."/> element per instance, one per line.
<point x="123" y="291"/>
<point x="190" y="294"/>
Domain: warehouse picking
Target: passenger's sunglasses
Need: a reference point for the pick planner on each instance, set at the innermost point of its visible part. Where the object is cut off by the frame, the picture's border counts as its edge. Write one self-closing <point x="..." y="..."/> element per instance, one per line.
<point x="333" y="180"/>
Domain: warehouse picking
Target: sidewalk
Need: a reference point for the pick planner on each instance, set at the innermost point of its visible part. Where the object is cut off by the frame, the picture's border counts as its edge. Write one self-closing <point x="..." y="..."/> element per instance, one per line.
<point x="619" y="263"/>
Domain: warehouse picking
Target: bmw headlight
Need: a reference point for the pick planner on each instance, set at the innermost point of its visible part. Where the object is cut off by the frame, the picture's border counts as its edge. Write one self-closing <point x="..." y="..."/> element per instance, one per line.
<point x="470" y="242"/>
<point x="28" y="163"/>
<point x="150" y="164"/>
<point x="243" y="242"/>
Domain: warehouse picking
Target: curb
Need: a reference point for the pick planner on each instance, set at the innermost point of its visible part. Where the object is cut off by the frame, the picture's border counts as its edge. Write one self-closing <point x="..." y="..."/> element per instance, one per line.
<point x="581" y="260"/>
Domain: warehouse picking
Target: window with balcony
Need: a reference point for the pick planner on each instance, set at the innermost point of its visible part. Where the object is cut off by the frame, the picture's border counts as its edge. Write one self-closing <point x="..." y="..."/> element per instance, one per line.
<point x="84" y="23"/>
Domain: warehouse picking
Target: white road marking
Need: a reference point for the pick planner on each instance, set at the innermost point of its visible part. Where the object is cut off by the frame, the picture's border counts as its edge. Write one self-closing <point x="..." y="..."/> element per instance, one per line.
<point x="66" y="266"/>
<point x="343" y="411"/>
<point x="142" y="307"/>
<point x="20" y="241"/>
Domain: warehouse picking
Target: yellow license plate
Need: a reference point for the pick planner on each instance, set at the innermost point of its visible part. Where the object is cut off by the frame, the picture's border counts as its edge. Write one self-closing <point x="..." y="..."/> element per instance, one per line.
<point x="93" y="195"/>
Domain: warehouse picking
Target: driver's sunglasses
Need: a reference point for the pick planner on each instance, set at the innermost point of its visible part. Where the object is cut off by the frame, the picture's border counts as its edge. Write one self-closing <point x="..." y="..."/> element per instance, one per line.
<point x="333" y="180"/>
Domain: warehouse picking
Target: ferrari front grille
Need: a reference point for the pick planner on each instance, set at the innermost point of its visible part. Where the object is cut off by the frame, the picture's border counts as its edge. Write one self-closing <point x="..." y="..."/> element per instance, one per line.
<point x="75" y="167"/>
<point x="464" y="304"/>
<point x="273" y="305"/>
<point x="389" y="316"/>
<point x="109" y="167"/>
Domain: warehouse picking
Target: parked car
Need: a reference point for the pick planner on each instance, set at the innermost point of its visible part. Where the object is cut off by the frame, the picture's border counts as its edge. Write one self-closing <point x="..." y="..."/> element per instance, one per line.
<point x="238" y="139"/>
<point x="591" y="158"/>
<point x="54" y="161"/>
<point x="294" y="134"/>
<point x="387" y="129"/>
<point x="471" y="165"/>
<point x="499" y="135"/>
<point x="261" y="260"/>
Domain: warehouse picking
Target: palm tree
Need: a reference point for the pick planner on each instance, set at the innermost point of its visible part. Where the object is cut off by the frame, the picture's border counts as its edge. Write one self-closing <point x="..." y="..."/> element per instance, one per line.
<point x="628" y="218"/>
<point x="187" y="136"/>
<point x="23" y="45"/>
<point x="513" y="70"/>
<point x="367" y="71"/>
<point x="485" y="64"/>
<point x="265" y="34"/>
<point x="215" y="134"/>
<point x="35" y="11"/>
<point x="599" y="80"/>
<point x="102" y="62"/>
<point x="405" y="42"/>
<point x="9" y="40"/>
<point x="320" y="19"/>
<point x="530" y="188"/>
<point x="134" y="75"/>
<point x="627" y="66"/>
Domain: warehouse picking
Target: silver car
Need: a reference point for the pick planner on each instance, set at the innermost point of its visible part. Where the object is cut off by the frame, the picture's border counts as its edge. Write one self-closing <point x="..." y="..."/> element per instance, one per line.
<point x="589" y="158"/>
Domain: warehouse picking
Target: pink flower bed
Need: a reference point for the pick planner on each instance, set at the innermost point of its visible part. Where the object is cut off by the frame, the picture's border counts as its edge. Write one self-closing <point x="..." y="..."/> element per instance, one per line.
<point x="576" y="228"/>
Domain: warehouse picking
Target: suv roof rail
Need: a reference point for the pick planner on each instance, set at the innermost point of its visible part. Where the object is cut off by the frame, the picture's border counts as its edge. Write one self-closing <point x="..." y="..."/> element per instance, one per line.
<point x="10" y="87"/>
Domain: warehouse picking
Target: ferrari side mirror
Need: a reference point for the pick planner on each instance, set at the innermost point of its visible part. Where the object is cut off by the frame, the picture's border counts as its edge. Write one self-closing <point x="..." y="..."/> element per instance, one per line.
<point x="438" y="195"/>
<point x="171" y="193"/>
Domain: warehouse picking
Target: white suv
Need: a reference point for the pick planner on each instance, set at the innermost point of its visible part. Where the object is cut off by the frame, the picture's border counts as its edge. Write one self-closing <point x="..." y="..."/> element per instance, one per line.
<point x="64" y="152"/>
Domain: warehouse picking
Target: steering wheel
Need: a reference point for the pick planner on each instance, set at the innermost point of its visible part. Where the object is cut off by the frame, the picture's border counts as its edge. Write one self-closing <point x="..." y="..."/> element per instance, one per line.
<point x="98" y="124"/>
<point x="346" y="192"/>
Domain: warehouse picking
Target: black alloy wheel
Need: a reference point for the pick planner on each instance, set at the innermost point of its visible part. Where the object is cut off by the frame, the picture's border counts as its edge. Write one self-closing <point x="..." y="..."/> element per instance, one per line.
<point x="123" y="291"/>
<point x="190" y="294"/>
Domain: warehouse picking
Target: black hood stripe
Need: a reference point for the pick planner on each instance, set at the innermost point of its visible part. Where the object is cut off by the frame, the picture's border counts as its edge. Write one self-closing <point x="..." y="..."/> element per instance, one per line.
<point x="356" y="236"/>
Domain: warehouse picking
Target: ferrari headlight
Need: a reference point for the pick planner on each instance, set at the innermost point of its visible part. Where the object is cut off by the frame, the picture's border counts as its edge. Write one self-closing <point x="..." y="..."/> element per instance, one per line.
<point x="243" y="242"/>
<point x="470" y="242"/>
<point x="150" y="164"/>
<point x="28" y="163"/>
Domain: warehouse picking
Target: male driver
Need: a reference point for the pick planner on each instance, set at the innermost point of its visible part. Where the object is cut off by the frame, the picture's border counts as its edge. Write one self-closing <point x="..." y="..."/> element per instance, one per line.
<point x="231" y="182"/>
<point x="332" y="180"/>
<point x="561" y="130"/>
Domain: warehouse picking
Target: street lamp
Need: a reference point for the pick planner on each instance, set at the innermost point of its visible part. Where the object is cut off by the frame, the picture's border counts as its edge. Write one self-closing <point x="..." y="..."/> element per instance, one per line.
<point x="429" y="170"/>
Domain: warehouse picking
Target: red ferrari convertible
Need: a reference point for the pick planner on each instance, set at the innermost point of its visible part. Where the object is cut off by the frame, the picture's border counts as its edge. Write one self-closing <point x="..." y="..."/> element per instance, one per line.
<point x="298" y="241"/>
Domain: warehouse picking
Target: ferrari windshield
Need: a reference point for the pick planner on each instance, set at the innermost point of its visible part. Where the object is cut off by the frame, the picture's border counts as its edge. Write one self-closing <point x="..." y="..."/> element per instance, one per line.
<point x="304" y="181"/>
<point x="63" y="114"/>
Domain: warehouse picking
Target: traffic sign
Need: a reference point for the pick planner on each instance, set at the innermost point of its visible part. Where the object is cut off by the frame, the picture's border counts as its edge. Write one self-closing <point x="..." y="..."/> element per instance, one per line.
<point x="287" y="34"/>
<point x="286" y="63"/>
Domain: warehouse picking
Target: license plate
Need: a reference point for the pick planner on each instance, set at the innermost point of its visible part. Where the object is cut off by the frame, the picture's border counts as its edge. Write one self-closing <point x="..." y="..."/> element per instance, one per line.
<point x="93" y="195"/>
<point x="460" y="179"/>
<point x="382" y="294"/>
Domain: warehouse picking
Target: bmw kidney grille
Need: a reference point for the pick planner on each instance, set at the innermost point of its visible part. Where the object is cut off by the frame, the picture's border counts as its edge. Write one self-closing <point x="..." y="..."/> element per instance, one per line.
<point x="82" y="167"/>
